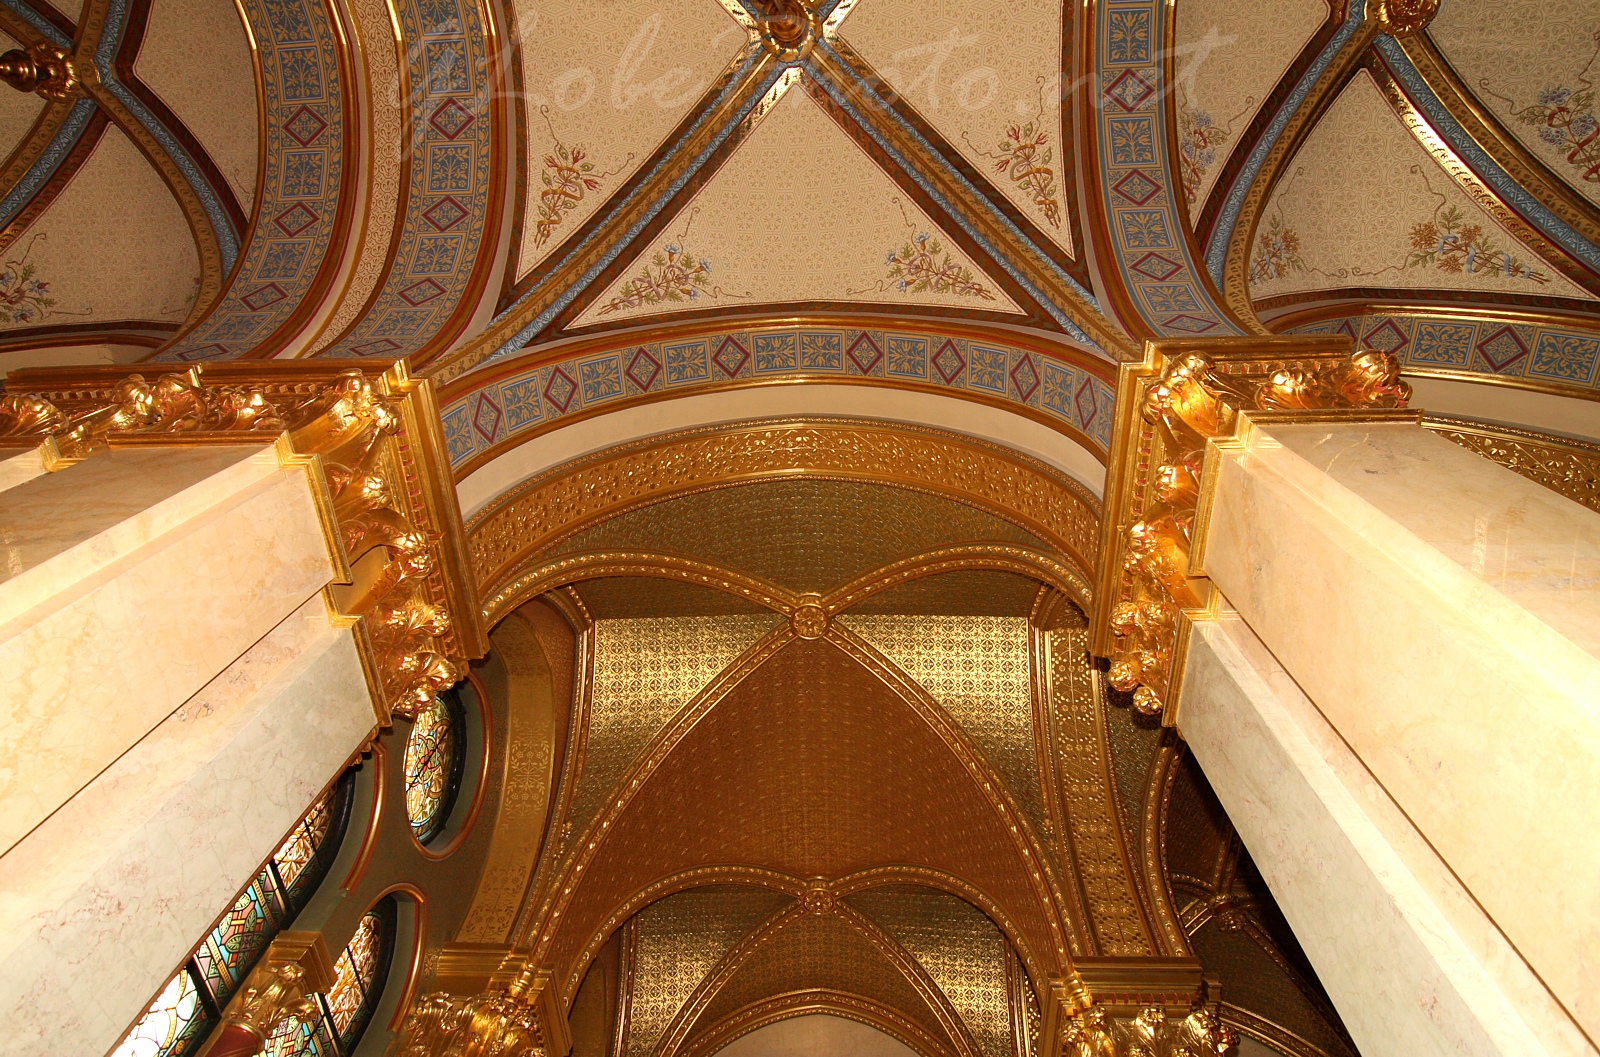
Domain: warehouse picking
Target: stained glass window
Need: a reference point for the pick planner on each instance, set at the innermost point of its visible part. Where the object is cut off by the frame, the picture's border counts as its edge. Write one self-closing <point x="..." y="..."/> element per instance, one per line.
<point x="182" y="1015"/>
<point x="435" y="753"/>
<point x="343" y="1012"/>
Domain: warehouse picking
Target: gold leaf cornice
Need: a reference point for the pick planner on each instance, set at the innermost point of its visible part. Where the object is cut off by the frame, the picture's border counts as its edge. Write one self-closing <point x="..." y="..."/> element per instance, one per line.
<point x="529" y="518"/>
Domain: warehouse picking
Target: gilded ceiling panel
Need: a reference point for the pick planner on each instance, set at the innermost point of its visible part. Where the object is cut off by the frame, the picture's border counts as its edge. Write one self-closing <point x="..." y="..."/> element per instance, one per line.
<point x="974" y="592"/>
<point x="819" y="951"/>
<point x="960" y="949"/>
<point x="1227" y="59"/>
<point x="1532" y="64"/>
<point x="645" y="670"/>
<point x="196" y="58"/>
<point x="803" y="535"/>
<point x="678" y="941"/>
<point x="648" y="596"/>
<point x="977" y="668"/>
<point x="787" y="773"/>
<point x="114" y="246"/>
<point x="1364" y="205"/>
<point x="987" y="77"/>
<point x="799" y="213"/>
<point x="603" y="84"/>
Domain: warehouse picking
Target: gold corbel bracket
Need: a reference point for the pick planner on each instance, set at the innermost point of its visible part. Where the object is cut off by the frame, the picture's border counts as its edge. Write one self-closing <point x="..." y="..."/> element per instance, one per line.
<point x="1181" y="412"/>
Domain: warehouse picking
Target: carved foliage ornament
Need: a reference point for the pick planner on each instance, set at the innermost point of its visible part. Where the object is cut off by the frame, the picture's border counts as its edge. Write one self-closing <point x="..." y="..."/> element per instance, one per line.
<point x="491" y="1024"/>
<point x="371" y="457"/>
<point x="1197" y="397"/>
<point x="1151" y="1033"/>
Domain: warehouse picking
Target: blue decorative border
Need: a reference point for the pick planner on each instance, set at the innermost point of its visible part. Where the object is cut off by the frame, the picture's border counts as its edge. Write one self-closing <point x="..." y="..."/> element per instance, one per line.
<point x="299" y="206"/>
<point x="1149" y="243"/>
<point x="1502" y="348"/>
<point x="45" y="166"/>
<point x="544" y="395"/>
<point x="447" y="208"/>
<point x="1228" y="217"/>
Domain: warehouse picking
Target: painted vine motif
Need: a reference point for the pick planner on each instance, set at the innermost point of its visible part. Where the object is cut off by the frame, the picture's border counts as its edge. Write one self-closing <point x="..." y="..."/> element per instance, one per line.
<point x="1025" y="155"/>
<point x="672" y="275"/>
<point x="1198" y="140"/>
<point x="568" y="176"/>
<point x="24" y="297"/>
<point x="922" y="265"/>
<point x="1565" y="119"/>
<point x="1446" y="241"/>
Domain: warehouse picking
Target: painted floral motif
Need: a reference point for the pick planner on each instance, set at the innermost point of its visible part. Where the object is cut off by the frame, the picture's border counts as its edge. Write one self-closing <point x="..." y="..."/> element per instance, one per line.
<point x="1565" y="120"/>
<point x="1277" y="252"/>
<point x="922" y="266"/>
<point x="1025" y="155"/>
<point x="671" y="275"/>
<point x="1198" y="139"/>
<point x="24" y="298"/>
<point x="568" y="176"/>
<point x="1448" y="244"/>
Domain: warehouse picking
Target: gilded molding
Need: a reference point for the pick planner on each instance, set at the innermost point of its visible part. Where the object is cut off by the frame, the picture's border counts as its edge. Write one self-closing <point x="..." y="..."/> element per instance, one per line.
<point x="1474" y="186"/>
<point x="1490" y="134"/>
<point x="1184" y="395"/>
<point x="372" y="445"/>
<point x="1567" y="467"/>
<point x="528" y="519"/>
<point x="282" y="985"/>
<point x="745" y="77"/>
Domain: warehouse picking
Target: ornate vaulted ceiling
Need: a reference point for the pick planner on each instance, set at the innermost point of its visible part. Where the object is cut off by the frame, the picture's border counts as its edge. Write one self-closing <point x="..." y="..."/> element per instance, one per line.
<point x="475" y="184"/>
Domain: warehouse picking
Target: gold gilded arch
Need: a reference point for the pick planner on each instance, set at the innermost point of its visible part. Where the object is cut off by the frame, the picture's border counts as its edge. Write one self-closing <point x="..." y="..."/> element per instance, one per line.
<point x="523" y="522"/>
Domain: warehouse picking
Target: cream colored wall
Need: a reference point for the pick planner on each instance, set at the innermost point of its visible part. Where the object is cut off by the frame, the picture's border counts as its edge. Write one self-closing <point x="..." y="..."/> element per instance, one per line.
<point x="922" y="409"/>
<point x="196" y="56"/>
<point x="817" y="1035"/>
<point x="1503" y="404"/>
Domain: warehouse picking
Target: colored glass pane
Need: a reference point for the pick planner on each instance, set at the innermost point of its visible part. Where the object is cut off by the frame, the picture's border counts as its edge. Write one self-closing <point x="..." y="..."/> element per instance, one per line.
<point x="233" y="946"/>
<point x="349" y="999"/>
<point x="301" y="846"/>
<point x="173" y="1023"/>
<point x="432" y="767"/>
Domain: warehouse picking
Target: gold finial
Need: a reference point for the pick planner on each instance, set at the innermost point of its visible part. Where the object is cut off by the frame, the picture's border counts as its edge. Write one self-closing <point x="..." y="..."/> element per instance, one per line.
<point x="788" y="28"/>
<point x="1401" y="18"/>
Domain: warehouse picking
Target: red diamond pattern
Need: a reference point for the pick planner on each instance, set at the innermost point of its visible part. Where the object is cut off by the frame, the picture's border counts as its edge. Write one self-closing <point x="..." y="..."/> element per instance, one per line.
<point x="205" y="352"/>
<point x="1191" y="324"/>
<point x="263" y="297"/>
<point x="1025" y="378"/>
<point x="295" y="219"/>
<point x="375" y="348"/>
<point x="445" y="214"/>
<point x="486" y="417"/>
<point x="421" y="292"/>
<point x="1386" y="337"/>
<point x="1084" y="398"/>
<point x="450" y="119"/>
<point x="1155" y="266"/>
<point x="1502" y="348"/>
<point x="1129" y="91"/>
<point x="1137" y="188"/>
<point x="948" y="362"/>
<point x="731" y="357"/>
<point x="304" y="126"/>
<point x="871" y="346"/>
<point x="559" y="389"/>
<point x="643" y="369"/>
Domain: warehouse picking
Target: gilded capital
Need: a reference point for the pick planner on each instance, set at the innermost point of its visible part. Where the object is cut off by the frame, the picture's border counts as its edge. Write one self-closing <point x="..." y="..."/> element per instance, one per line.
<point x="282" y="985"/>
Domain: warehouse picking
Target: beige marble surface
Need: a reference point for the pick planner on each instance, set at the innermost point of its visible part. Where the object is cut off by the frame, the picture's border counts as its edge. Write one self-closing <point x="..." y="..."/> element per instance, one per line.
<point x="102" y="640"/>
<point x="18" y="467"/>
<point x="1351" y="874"/>
<point x="102" y="901"/>
<point x="1419" y="595"/>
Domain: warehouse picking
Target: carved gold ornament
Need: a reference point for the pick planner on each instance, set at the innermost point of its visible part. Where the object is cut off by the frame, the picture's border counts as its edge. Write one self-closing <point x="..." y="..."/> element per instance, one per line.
<point x="281" y="986"/>
<point x="1184" y="395"/>
<point x="810" y="620"/>
<point x="1401" y="18"/>
<point x="43" y="69"/>
<point x="372" y="439"/>
<point x="1150" y="1033"/>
